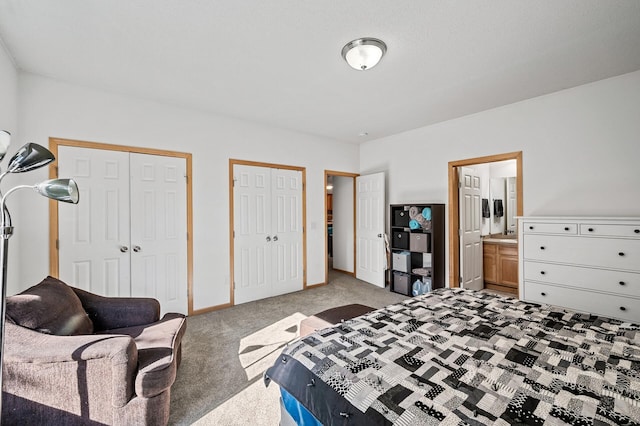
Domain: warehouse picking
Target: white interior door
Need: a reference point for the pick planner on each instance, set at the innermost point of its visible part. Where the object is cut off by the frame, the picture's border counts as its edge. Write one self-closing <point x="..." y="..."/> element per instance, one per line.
<point x="470" y="229"/>
<point x="370" y="248"/>
<point x="159" y="230"/>
<point x="94" y="235"/>
<point x="267" y="217"/>
<point x="128" y="235"/>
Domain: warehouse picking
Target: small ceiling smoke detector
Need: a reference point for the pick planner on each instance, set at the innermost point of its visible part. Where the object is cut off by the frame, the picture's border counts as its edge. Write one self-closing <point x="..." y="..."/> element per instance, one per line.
<point x="364" y="53"/>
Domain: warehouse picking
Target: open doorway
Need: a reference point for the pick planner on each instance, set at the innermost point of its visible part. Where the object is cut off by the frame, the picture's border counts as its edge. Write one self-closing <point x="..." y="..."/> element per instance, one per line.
<point x="454" y="204"/>
<point x="340" y="222"/>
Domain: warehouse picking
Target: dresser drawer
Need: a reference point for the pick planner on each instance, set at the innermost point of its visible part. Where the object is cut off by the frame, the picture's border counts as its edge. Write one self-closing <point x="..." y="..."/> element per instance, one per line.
<point x="622" y="307"/>
<point x="550" y="228"/>
<point x="619" y="282"/>
<point x="599" y="252"/>
<point x="606" y="230"/>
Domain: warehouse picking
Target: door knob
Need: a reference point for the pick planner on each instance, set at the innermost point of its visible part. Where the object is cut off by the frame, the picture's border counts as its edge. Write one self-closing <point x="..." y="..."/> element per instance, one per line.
<point x="275" y="238"/>
<point x="124" y="249"/>
<point x="268" y="238"/>
<point x="137" y="248"/>
<point x="379" y="235"/>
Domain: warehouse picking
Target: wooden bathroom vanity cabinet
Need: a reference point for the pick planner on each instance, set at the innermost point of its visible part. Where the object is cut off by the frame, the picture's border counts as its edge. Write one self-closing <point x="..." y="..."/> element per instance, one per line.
<point x="500" y="264"/>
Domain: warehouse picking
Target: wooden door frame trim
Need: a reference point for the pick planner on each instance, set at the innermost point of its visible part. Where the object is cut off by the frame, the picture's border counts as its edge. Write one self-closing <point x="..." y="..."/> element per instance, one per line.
<point x="454" y="205"/>
<point x="54" y="143"/>
<point x="303" y="170"/>
<point x="328" y="173"/>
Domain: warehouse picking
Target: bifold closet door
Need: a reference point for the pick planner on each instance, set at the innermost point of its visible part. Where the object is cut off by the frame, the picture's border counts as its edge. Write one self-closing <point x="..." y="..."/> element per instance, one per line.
<point x="159" y="230"/>
<point x="267" y="258"/>
<point x="128" y="235"/>
<point x="94" y="234"/>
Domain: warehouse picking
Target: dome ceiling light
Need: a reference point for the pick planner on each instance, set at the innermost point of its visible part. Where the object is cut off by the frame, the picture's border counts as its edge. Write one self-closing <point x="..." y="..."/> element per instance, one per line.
<point x="364" y="53"/>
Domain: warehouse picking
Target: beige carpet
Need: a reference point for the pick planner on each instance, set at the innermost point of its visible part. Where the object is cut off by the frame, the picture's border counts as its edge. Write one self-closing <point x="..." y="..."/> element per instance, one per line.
<point x="225" y="352"/>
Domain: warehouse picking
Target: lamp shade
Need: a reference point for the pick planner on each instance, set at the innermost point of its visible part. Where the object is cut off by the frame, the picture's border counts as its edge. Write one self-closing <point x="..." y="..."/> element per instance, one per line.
<point x="29" y="157"/>
<point x="5" y="140"/>
<point x="65" y="190"/>
<point x="364" y="53"/>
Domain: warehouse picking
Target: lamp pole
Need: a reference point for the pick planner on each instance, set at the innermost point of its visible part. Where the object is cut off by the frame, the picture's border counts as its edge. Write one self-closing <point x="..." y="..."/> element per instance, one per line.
<point x="5" y="234"/>
<point x="29" y="157"/>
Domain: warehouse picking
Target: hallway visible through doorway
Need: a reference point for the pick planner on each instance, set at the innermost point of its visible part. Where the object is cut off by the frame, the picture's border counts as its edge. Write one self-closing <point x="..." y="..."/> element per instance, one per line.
<point x="340" y="222"/>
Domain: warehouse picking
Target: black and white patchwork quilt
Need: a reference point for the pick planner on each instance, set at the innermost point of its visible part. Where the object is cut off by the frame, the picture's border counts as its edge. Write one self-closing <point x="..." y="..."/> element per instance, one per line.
<point x="459" y="357"/>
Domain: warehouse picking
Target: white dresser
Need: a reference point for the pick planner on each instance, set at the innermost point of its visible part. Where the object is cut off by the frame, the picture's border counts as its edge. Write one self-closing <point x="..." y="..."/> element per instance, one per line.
<point x="585" y="264"/>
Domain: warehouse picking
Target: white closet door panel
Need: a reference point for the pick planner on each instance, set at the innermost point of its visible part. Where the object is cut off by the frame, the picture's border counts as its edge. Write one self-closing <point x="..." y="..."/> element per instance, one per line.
<point x="93" y="232"/>
<point x="286" y="193"/>
<point x="252" y="231"/>
<point x="159" y="230"/>
<point x="370" y="227"/>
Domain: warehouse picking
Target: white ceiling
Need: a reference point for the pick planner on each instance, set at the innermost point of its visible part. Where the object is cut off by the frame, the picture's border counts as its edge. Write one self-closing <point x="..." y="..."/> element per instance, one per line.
<point x="278" y="62"/>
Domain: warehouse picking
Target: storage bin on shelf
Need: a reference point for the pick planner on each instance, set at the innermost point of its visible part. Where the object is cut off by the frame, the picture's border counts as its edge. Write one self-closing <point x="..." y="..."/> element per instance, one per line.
<point x="401" y="261"/>
<point x="401" y="282"/>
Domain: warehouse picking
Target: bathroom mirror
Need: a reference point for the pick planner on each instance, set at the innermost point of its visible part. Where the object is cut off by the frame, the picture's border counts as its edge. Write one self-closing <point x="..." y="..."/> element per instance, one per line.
<point x="502" y="205"/>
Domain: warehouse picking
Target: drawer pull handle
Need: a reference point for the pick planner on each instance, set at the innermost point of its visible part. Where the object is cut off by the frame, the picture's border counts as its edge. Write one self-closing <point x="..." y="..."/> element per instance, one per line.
<point x="541" y="247"/>
<point x="637" y="231"/>
<point x="531" y="227"/>
<point x="622" y="308"/>
<point x="621" y="254"/>
<point x="543" y="294"/>
<point x="566" y="228"/>
<point x="622" y="283"/>
<point x="590" y="229"/>
<point x="542" y="272"/>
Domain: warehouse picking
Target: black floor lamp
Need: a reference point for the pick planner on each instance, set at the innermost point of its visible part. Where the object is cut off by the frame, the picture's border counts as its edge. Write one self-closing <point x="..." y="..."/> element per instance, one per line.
<point x="29" y="157"/>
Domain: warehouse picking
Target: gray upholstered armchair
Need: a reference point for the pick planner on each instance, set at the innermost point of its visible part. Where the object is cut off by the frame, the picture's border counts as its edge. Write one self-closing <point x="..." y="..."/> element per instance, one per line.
<point x="73" y="357"/>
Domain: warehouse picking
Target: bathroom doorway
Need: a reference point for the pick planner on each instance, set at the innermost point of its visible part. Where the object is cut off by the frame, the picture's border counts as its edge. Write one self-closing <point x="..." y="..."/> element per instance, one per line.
<point x="340" y="222"/>
<point x="454" y="204"/>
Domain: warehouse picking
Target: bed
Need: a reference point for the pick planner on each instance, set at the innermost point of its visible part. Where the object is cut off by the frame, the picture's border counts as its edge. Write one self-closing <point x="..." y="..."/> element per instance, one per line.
<point x="461" y="357"/>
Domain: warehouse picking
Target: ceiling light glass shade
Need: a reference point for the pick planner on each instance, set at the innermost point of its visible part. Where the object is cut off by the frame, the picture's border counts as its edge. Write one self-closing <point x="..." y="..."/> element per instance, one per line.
<point x="364" y="53"/>
<point x="5" y="140"/>
<point x="29" y="157"/>
<point x="65" y="190"/>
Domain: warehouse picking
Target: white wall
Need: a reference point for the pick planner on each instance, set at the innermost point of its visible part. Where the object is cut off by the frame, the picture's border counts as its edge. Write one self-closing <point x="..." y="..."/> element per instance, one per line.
<point x="9" y="122"/>
<point x="9" y="93"/>
<point x="343" y="225"/>
<point x="53" y="109"/>
<point x="580" y="150"/>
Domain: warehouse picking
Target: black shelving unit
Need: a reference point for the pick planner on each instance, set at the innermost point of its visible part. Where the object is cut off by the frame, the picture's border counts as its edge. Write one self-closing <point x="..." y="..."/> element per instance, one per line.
<point x="417" y="245"/>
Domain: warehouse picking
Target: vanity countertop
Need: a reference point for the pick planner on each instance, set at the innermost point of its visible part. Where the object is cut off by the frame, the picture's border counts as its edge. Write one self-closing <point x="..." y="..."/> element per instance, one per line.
<point x="501" y="239"/>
